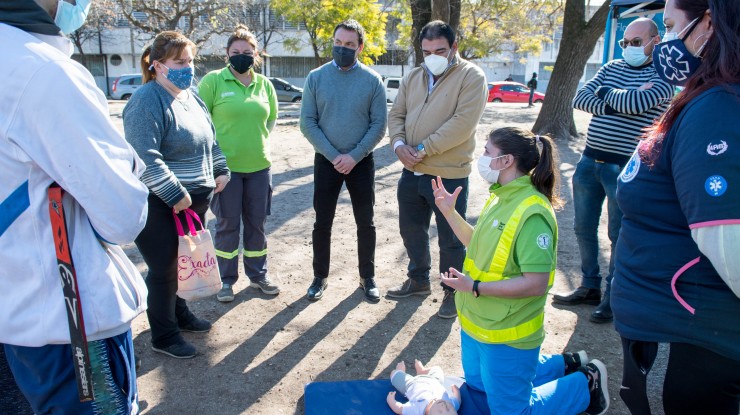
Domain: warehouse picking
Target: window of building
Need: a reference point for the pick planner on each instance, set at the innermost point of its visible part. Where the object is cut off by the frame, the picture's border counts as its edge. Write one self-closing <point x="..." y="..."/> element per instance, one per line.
<point x="291" y="67"/>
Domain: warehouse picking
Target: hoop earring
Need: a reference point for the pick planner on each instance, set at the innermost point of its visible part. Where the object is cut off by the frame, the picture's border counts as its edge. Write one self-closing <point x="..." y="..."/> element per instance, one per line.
<point x="701" y="48"/>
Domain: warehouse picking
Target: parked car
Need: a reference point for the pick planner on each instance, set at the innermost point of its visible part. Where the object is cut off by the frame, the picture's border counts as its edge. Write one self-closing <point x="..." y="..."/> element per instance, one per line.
<point x="286" y="92"/>
<point x="125" y="85"/>
<point x="391" y="84"/>
<point x="511" y="92"/>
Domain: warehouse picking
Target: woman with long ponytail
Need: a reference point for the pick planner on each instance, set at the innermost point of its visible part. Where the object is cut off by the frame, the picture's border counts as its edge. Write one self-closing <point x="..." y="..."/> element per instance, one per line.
<point x="502" y="289"/>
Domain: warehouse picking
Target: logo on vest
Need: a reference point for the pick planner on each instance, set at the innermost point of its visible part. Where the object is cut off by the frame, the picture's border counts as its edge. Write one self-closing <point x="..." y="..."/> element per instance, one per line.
<point x="631" y="169"/>
<point x="543" y="241"/>
<point x="715" y="185"/>
<point x="228" y="94"/>
<point x="717" y="149"/>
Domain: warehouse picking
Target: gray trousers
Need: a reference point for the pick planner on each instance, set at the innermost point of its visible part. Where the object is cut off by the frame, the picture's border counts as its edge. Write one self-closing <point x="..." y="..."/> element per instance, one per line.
<point x="245" y="199"/>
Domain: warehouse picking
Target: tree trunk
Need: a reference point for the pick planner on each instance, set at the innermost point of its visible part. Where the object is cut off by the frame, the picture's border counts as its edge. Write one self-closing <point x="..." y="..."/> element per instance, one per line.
<point x="455" y="7"/>
<point x="577" y="44"/>
<point x="424" y="11"/>
<point x="441" y="10"/>
<point x="421" y="14"/>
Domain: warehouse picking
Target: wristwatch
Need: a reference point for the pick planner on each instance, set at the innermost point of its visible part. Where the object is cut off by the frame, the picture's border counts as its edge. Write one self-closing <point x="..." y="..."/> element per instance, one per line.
<point x="476" y="294"/>
<point x="421" y="150"/>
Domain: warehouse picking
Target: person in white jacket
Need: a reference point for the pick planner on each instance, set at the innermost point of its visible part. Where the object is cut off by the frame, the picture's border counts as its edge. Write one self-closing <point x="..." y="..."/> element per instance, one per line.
<point x="55" y="127"/>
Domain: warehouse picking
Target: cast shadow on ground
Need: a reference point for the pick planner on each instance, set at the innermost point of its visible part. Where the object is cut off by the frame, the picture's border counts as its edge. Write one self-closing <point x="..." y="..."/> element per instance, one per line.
<point x="359" y="361"/>
<point x="383" y="156"/>
<point x="207" y="308"/>
<point x="286" y="359"/>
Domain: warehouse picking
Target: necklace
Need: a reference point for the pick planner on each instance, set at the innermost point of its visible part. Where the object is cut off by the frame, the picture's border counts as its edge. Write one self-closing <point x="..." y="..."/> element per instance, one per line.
<point x="183" y="102"/>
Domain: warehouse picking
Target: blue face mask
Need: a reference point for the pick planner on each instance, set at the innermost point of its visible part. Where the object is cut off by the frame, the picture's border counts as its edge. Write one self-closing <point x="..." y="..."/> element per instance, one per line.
<point x="672" y="60"/>
<point x="71" y="17"/>
<point x="635" y="55"/>
<point x="181" y="78"/>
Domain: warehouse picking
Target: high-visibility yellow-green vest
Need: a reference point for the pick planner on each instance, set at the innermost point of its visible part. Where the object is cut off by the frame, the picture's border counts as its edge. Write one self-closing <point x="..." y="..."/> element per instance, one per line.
<point x="516" y="322"/>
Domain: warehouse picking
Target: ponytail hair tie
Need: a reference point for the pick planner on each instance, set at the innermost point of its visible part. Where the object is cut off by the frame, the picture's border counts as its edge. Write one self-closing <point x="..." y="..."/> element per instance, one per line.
<point x="538" y="143"/>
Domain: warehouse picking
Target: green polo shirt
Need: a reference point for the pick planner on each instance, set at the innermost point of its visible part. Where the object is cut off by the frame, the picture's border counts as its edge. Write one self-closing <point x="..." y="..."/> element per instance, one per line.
<point x="240" y="114"/>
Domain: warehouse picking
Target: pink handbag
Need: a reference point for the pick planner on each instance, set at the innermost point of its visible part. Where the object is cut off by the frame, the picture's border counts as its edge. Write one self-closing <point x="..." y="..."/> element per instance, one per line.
<point x="197" y="268"/>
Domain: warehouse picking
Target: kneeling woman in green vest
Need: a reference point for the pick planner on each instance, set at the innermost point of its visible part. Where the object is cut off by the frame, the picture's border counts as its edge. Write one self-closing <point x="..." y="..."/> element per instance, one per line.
<point x="502" y="289"/>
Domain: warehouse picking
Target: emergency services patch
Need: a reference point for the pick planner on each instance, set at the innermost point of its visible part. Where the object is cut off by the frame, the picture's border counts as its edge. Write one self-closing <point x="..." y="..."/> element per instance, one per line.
<point x="631" y="169"/>
<point x="543" y="241"/>
<point x="715" y="185"/>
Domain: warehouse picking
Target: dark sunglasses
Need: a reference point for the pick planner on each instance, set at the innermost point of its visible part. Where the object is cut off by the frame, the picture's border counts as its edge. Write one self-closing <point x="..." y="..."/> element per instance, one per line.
<point x="623" y="43"/>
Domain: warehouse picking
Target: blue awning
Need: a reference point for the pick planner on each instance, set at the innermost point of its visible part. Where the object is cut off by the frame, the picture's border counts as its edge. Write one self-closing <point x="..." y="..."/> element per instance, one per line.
<point x="650" y="4"/>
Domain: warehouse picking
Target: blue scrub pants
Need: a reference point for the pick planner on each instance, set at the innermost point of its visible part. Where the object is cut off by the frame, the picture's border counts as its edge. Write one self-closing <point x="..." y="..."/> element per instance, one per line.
<point x="522" y="381"/>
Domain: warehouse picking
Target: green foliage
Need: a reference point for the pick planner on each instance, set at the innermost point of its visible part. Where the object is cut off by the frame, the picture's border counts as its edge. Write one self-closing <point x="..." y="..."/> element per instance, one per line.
<point x="518" y="26"/>
<point x="321" y="16"/>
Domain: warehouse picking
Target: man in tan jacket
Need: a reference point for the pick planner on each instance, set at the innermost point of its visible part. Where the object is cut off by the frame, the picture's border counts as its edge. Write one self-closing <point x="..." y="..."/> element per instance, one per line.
<point x="432" y="127"/>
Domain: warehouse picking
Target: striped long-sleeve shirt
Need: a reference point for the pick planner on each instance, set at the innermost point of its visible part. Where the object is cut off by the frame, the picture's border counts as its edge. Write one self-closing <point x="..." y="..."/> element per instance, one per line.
<point x="176" y="140"/>
<point x="621" y="111"/>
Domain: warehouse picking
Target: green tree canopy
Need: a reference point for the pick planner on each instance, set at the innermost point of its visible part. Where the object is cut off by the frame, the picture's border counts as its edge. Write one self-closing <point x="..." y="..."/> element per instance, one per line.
<point x="490" y="27"/>
<point x="321" y="16"/>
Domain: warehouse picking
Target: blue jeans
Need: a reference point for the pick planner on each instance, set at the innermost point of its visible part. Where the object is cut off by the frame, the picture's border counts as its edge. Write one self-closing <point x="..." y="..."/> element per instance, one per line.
<point x="520" y="381"/>
<point x="593" y="181"/>
<point x="415" y="207"/>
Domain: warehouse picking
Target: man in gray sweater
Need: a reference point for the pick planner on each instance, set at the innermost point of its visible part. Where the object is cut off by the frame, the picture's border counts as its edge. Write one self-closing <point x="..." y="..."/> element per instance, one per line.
<point x="344" y="116"/>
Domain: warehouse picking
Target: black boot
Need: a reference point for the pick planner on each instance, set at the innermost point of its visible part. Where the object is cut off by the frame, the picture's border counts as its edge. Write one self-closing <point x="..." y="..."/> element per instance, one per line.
<point x="603" y="313"/>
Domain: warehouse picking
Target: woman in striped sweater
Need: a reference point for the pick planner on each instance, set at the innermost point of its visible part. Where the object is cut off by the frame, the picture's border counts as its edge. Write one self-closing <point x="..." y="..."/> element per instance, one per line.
<point x="169" y="127"/>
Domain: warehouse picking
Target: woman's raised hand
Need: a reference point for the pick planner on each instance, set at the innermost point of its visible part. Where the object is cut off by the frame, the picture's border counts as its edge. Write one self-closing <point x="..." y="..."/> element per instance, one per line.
<point x="444" y="200"/>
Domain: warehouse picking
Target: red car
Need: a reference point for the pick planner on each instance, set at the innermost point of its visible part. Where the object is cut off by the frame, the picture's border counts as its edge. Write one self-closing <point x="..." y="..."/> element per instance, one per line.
<point x="511" y="92"/>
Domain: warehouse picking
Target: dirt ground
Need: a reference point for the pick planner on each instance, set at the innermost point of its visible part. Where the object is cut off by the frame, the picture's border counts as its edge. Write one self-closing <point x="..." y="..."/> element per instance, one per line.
<point x="263" y="350"/>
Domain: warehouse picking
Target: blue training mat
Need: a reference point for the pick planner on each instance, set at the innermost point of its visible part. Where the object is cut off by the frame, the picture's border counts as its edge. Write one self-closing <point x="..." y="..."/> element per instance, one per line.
<point x="367" y="397"/>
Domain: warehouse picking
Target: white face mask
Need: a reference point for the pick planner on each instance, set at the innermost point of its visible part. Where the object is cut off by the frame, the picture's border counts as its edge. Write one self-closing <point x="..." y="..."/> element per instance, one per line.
<point x="668" y="36"/>
<point x="437" y="64"/>
<point x="486" y="172"/>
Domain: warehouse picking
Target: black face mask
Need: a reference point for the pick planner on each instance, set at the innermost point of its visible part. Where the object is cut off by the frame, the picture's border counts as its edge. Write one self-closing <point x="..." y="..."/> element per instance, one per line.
<point x="241" y="63"/>
<point x="343" y="57"/>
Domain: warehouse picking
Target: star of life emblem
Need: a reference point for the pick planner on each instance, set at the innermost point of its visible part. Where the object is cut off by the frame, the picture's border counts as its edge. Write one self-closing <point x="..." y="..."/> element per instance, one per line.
<point x="674" y="65"/>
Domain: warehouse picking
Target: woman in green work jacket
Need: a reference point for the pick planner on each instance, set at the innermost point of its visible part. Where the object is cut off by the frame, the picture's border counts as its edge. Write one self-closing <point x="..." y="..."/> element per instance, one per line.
<point x="502" y="289"/>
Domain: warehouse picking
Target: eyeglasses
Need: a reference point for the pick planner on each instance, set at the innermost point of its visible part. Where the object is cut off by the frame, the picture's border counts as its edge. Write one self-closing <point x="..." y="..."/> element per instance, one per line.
<point x="623" y="43"/>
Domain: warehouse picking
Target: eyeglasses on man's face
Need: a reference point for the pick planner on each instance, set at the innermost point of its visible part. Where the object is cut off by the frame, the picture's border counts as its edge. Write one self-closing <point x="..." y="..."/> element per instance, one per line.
<point x="623" y="43"/>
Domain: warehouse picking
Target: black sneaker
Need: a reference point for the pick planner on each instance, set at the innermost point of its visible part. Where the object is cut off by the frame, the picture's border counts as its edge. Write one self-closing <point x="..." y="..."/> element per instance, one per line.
<point x="316" y="290"/>
<point x="196" y="325"/>
<point x="595" y="370"/>
<point x="448" y="309"/>
<point x="574" y="361"/>
<point x="410" y="287"/>
<point x="179" y="350"/>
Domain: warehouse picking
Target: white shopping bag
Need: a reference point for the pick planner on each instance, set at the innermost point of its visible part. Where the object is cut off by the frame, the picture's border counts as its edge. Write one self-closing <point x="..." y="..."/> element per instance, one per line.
<point x="197" y="268"/>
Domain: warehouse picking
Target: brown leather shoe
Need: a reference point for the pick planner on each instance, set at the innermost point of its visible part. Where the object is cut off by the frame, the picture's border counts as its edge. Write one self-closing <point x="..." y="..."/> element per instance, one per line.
<point x="410" y="287"/>
<point x="580" y="295"/>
